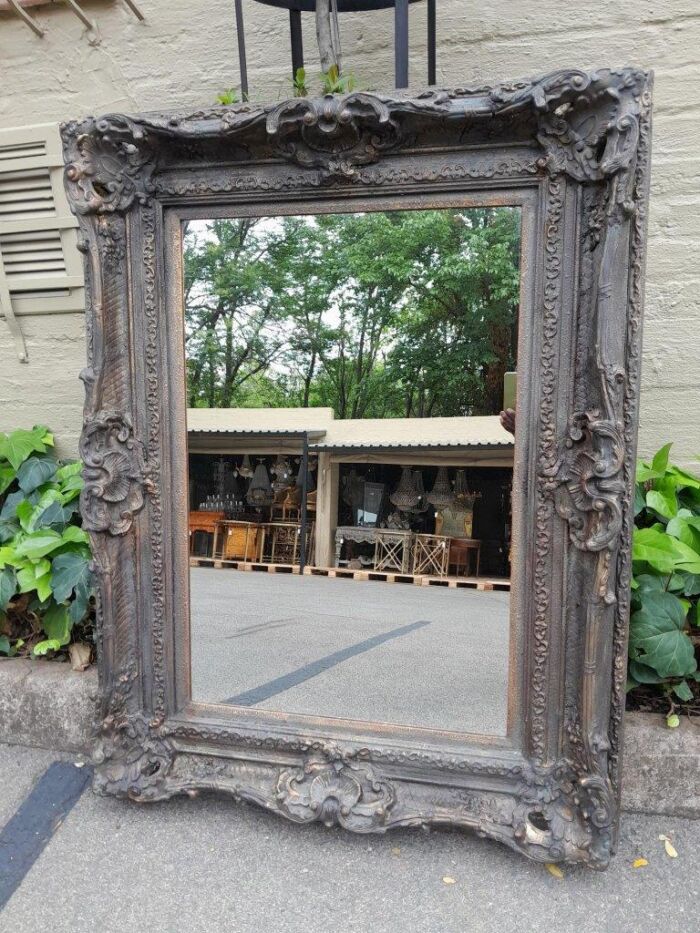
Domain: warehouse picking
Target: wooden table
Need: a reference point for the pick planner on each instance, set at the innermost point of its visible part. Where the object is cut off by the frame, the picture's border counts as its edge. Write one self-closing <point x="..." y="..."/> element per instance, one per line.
<point x="463" y="548"/>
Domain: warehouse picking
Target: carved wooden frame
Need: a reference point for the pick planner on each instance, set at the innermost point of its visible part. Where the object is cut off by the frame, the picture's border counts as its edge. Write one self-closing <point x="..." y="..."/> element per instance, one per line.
<point x="576" y="145"/>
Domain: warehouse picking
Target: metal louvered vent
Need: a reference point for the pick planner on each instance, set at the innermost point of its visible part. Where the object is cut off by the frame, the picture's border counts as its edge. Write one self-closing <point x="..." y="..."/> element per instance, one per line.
<point x="26" y="194"/>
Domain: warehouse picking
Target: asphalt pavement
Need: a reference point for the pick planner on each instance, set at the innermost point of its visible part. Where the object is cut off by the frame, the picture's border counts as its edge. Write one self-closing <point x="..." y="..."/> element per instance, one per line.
<point x="366" y="650"/>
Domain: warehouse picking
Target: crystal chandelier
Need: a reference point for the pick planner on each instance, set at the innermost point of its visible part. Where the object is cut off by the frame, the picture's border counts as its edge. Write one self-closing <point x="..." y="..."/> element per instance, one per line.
<point x="441" y="495"/>
<point x="245" y="469"/>
<point x="463" y="497"/>
<point x="406" y="496"/>
<point x="282" y="471"/>
<point x="260" y="491"/>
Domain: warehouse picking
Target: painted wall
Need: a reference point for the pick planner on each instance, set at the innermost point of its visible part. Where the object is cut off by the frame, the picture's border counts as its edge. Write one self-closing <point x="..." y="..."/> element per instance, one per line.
<point x="186" y="53"/>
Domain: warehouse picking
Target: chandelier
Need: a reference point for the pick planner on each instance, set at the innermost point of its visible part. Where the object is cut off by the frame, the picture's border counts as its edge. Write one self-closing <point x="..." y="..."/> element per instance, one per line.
<point x="441" y="495"/>
<point x="282" y="471"/>
<point x="245" y="469"/>
<point x="463" y="497"/>
<point x="406" y="496"/>
<point x="259" y="491"/>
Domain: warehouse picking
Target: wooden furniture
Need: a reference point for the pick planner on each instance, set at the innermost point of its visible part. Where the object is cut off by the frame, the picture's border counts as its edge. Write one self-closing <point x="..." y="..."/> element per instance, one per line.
<point x="240" y="540"/>
<point x="360" y="534"/>
<point x="460" y="555"/>
<point x="205" y="522"/>
<point x="285" y="542"/>
<point x="430" y="555"/>
<point x="392" y="550"/>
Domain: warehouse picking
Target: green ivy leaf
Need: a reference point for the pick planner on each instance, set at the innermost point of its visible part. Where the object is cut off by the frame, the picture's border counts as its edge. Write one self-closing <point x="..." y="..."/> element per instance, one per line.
<point x="18" y="445"/>
<point x="8" y="586"/>
<point x="657" y="638"/>
<point x="40" y="543"/>
<point x="685" y="530"/>
<point x="9" y="506"/>
<point x="660" y="462"/>
<point x="53" y="516"/>
<point x="57" y="624"/>
<point x="36" y="471"/>
<point x="75" y="535"/>
<point x="68" y="470"/>
<point x="662" y="499"/>
<point x="7" y="476"/>
<point x="24" y="512"/>
<point x="43" y="647"/>
<point x="649" y="583"/>
<point x="658" y="466"/>
<point x="683" y="691"/>
<point x="663" y="552"/>
<point x="643" y="674"/>
<point x="71" y="573"/>
<point x="8" y="530"/>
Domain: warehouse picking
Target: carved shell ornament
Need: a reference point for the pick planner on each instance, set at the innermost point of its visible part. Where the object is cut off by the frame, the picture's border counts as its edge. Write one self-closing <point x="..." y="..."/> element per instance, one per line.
<point x="335" y="133"/>
<point x="581" y="138"/>
<point x="345" y="792"/>
<point x="589" y="487"/>
<point x="113" y="474"/>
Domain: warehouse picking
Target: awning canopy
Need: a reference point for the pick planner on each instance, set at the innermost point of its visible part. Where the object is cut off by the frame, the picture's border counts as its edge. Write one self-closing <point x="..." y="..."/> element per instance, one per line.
<point x="426" y="440"/>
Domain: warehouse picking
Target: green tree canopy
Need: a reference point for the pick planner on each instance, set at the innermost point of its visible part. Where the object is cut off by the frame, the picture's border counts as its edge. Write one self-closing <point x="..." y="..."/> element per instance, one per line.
<point x="382" y="314"/>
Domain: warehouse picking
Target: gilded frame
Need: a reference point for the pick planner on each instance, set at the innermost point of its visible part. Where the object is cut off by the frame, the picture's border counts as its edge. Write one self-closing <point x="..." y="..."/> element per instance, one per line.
<point x="576" y="147"/>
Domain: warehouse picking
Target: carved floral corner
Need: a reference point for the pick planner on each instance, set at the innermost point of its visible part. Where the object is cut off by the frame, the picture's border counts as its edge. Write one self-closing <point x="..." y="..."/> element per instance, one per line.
<point x="588" y="122"/>
<point x="114" y="473"/>
<point x="109" y="164"/>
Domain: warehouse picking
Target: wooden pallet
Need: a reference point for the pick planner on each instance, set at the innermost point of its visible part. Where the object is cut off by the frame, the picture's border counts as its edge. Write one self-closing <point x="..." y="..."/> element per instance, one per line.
<point x="474" y="583"/>
<point x="346" y="573"/>
<point x="248" y="566"/>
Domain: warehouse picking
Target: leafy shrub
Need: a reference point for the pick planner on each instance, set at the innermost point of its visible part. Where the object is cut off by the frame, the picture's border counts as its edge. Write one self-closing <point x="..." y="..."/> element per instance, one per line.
<point x="666" y="582"/>
<point x="45" y="579"/>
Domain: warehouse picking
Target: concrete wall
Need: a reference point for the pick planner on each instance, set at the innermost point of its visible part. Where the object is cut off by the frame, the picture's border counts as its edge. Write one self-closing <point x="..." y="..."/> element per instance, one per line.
<point x="186" y="53"/>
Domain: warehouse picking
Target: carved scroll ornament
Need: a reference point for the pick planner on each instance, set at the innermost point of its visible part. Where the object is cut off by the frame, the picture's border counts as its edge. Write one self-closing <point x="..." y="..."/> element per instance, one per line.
<point x="113" y="472"/>
<point x="586" y="123"/>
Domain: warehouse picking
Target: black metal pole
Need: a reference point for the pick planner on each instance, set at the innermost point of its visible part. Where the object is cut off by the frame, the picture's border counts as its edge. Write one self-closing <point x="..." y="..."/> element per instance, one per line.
<point x="297" y="41"/>
<point x="241" y="49"/>
<point x="432" y="35"/>
<point x="401" y="42"/>
<point x="304" y="492"/>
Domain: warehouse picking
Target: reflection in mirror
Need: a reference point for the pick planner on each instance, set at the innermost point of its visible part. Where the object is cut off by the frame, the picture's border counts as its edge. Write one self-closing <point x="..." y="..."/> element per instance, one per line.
<point x="351" y="395"/>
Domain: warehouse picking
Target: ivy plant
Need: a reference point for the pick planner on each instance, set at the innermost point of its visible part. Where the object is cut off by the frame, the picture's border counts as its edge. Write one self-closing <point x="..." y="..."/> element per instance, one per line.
<point x="665" y="620"/>
<point x="45" y="578"/>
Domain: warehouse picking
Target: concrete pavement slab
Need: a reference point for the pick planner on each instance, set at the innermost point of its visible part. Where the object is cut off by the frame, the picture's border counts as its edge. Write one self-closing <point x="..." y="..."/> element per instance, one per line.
<point x="209" y="865"/>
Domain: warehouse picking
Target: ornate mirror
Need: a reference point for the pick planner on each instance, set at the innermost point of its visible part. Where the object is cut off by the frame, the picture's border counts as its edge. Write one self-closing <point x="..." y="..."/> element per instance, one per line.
<point x="359" y="442"/>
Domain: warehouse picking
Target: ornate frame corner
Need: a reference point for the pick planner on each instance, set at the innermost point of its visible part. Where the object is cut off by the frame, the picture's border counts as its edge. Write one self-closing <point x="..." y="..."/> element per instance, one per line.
<point x="574" y="146"/>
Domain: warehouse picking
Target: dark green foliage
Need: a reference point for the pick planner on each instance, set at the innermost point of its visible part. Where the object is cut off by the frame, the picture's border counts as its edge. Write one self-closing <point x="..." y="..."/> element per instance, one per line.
<point x="45" y="578"/>
<point x="666" y="561"/>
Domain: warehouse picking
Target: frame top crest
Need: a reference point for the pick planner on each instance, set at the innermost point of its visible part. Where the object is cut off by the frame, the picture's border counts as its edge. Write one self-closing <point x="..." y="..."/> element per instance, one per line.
<point x="586" y="123"/>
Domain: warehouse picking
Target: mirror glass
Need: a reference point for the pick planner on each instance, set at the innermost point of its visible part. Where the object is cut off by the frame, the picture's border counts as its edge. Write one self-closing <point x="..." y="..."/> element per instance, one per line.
<point x="350" y="468"/>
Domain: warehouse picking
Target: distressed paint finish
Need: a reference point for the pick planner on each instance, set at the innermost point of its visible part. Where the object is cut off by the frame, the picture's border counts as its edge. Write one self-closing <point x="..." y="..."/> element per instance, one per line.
<point x="573" y="149"/>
